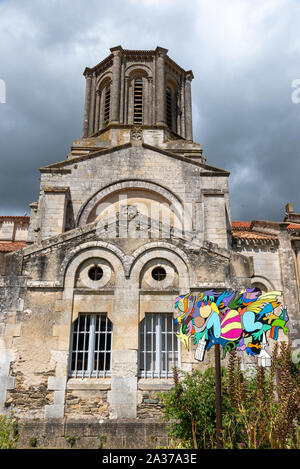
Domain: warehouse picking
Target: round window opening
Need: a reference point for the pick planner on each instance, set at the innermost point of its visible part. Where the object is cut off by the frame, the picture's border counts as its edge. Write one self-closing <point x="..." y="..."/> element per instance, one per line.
<point x="95" y="273"/>
<point x="158" y="273"/>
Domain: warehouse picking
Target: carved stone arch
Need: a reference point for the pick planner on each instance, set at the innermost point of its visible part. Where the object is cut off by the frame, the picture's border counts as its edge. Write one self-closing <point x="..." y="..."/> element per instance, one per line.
<point x="135" y="69"/>
<point x="261" y="280"/>
<point x="172" y="81"/>
<point x="172" y="102"/>
<point x="162" y="250"/>
<point x="103" y="80"/>
<point x="137" y="111"/>
<point x="137" y="73"/>
<point x="78" y="255"/>
<point x="130" y="184"/>
<point x="102" y="101"/>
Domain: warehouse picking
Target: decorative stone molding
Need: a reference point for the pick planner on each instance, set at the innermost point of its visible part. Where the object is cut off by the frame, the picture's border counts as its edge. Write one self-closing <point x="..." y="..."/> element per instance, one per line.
<point x="135" y="69"/>
<point x="264" y="281"/>
<point x="136" y="135"/>
<point x="162" y="284"/>
<point x="87" y="250"/>
<point x="166" y="251"/>
<point x="102" y="81"/>
<point x="163" y="245"/>
<point x="86" y="209"/>
<point x="83" y="274"/>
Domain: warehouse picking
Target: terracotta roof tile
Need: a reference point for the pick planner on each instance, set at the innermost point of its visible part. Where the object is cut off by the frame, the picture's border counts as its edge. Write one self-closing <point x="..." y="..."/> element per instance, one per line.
<point x="244" y="230"/>
<point x="252" y="235"/>
<point x="293" y="226"/>
<point x="240" y="225"/>
<point x="14" y="217"/>
<point x="11" y="246"/>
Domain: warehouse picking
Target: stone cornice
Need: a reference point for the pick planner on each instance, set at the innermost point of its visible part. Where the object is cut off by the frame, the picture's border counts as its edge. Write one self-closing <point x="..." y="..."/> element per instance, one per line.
<point x="175" y="65"/>
<point x="99" y="67"/>
<point x="212" y="171"/>
<point x="62" y="165"/>
<point x="24" y="218"/>
<point x="131" y="54"/>
<point x="57" y="190"/>
<point x="240" y="242"/>
<point x="49" y="169"/>
<point x="76" y="159"/>
<point x="116" y="49"/>
<point x="189" y="75"/>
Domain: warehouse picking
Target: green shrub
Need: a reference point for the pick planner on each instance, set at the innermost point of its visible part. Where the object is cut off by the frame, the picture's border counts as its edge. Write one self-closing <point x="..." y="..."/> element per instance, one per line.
<point x="189" y="408"/>
<point x="102" y="440"/>
<point x="265" y="407"/>
<point x="261" y="411"/>
<point x="8" y="431"/>
<point x="71" y="440"/>
<point x="32" y="442"/>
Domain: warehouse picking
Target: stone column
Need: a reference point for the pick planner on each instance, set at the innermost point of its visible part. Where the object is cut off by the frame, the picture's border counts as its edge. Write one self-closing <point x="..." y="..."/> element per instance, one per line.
<point x="33" y="225"/>
<point x="150" y="100"/>
<point x="126" y="101"/>
<point x="295" y="332"/>
<point x="160" y="86"/>
<point x="87" y="105"/>
<point x="130" y="102"/>
<point x="178" y="110"/>
<point x="92" y="105"/>
<point x="101" y="109"/>
<point x="122" y="92"/>
<point x="122" y="397"/>
<point x="188" y="106"/>
<point x="289" y="283"/>
<point x="297" y="254"/>
<point x="146" y="102"/>
<point x="116" y="85"/>
<point x="97" y="111"/>
<point x="182" y="109"/>
<point x="54" y="212"/>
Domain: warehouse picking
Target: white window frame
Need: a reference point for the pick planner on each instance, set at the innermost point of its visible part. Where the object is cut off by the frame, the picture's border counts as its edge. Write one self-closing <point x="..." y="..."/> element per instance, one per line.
<point x="91" y="332"/>
<point x="156" y="329"/>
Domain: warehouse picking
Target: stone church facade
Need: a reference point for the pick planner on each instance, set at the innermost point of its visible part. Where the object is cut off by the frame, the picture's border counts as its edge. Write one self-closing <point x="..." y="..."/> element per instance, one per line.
<point x="132" y="218"/>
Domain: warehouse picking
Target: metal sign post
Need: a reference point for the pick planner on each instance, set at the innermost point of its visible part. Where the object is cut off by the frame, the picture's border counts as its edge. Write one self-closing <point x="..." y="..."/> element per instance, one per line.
<point x="233" y="320"/>
<point x="218" y="396"/>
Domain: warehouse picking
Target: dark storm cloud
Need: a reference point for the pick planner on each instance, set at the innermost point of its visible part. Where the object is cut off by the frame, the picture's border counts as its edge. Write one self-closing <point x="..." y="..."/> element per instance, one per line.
<point x="244" y="56"/>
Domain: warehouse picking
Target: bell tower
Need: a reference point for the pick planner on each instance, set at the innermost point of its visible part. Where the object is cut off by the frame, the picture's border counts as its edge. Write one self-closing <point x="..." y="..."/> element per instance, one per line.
<point x="138" y="88"/>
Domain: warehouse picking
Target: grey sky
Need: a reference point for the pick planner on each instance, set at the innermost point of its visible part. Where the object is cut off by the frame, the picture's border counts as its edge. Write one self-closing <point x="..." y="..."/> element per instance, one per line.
<point x="244" y="55"/>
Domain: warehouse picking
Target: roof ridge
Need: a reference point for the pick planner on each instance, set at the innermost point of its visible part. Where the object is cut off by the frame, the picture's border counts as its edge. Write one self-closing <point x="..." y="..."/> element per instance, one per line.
<point x="24" y="217"/>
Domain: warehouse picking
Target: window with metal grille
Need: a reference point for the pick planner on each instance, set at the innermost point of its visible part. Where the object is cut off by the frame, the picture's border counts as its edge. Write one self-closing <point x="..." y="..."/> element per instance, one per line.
<point x="138" y="101"/>
<point x="158" y="346"/>
<point x="169" y="107"/>
<point x="107" y="104"/>
<point x="91" y="346"/>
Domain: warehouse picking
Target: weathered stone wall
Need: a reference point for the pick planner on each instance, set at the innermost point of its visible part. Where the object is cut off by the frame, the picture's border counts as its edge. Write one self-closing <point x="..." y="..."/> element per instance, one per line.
<point x="29" y="399"/>
<point x="37" y="322"/>
<point x="180" y="180"/>
<point x="157" y="71"/>
<point x="93" y="434"/>
<point x="86" y="403"/>
<point x="149" y="402"/>
<point x="215" y="226"/>
<point x="13" y="228"/>
<point x="2" y="263"/>
<point x="45" y="286"/>
<point x="266" y="266"/>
